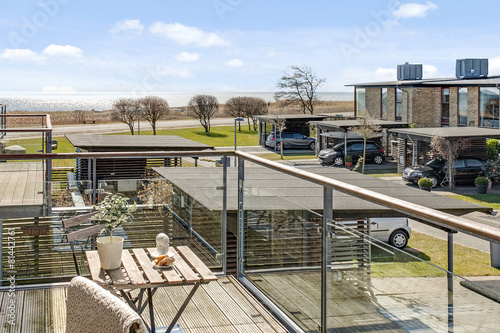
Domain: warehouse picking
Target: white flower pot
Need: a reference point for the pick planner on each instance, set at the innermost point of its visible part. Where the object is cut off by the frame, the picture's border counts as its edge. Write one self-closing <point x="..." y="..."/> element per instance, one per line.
<point x="110" y="254"/>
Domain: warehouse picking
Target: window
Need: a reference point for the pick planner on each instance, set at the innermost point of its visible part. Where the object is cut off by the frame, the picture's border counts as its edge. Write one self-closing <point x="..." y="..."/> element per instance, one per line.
<point x="459" y="164"/>
<point x="383" y="107"/>
<point x="399" y="104"/>
<point x="474" y="163"/>
<point x="356" y="147"/>
<point x="445" y="107"/>
<point x="462" y="107"/>
<point x="488" y="107"/>
<point x="360" y="102"/>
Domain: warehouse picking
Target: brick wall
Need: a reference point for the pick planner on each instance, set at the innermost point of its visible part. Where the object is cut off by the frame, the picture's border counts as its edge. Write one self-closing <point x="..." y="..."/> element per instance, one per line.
<point x="391" y="104"/>
<point x="373" y="102"/>
<point x="453" y="106"/>
<point x="425" y="107"/>
<point x="473" y="106"/>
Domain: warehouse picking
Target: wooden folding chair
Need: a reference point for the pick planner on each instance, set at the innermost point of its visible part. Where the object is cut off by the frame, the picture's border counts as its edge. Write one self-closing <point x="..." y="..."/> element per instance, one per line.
<point x="72" y="235"/>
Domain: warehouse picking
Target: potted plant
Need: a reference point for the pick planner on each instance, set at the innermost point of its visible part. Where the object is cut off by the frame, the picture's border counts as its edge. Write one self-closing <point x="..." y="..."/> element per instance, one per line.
<point x="481" y="184"/>
<point x="348" y="161"/>
<point x="425" y="184"/>
<point x="113" y="211"/>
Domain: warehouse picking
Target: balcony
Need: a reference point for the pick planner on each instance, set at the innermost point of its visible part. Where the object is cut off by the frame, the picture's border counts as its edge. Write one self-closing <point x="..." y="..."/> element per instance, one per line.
<point x="267" y="230"/>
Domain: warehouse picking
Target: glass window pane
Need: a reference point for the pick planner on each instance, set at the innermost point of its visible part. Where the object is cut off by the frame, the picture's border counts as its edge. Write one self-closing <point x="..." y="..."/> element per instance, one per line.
<point x="462" y="107"/>
<point x="383" y="114"/>
<point x="488" y="107"/>
<point x="360" y="102"/>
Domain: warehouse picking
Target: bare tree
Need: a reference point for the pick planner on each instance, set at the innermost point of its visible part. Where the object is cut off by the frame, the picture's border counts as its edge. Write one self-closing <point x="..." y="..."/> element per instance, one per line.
<point x="449" y="150"/>
<point x="153" y="109"/>
<point x="203" y="107"/>
<point x="367" y="129"/>
<point x="299" y="87"/>
<point x="248" y="107"/>
<point x="125" y="110"/>
<point x="279" y="125"/>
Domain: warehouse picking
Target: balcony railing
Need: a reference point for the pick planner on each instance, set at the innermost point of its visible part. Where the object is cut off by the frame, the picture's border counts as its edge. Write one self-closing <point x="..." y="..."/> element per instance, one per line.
<point x="314" y="272"/>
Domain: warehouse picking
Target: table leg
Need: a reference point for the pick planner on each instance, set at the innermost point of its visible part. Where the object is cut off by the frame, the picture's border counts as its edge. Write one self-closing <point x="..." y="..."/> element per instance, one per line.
<point x="151" y="312"/>
<point x="181" y="309"/>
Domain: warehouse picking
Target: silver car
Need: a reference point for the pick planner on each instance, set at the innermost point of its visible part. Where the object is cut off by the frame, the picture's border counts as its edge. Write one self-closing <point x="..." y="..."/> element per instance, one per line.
<point x="291" y="140"/>
<point x="392" y="230"/>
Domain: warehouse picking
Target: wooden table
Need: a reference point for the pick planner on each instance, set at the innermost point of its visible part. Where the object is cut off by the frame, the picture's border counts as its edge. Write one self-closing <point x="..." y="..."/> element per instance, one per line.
<point x="137" y="272"/>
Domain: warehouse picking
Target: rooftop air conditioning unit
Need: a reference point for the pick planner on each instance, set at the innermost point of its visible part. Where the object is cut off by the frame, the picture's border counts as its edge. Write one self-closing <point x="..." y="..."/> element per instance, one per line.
<point x="409" y="72"/>
<point x="471" y="68"/>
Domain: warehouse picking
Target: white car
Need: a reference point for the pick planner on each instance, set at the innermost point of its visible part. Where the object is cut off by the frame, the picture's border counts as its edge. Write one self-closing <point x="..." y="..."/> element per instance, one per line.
<point x="392" y="230"/>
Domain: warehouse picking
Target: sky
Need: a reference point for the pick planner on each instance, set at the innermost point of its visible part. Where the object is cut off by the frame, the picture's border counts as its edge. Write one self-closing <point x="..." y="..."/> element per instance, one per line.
<point x="189" y="46"/>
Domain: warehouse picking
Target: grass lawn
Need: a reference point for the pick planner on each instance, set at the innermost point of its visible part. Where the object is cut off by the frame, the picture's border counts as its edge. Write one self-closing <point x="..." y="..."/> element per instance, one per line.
<point x="33" y="145"/>
<point x="488" y="200"/>
<point x="466" y="261"/>
<point x="219" y="136"/>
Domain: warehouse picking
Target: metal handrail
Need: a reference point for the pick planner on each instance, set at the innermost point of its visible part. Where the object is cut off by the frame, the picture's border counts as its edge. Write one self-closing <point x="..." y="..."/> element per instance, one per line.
<point x="417" y="211"/>
<point x="431" y="216"/>
<point x="46" y="128"/>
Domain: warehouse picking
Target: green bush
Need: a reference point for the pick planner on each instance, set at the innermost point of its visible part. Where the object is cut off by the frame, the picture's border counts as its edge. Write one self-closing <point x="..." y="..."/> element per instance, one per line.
<point x="424" y="182"/>
<point x="481" y="181"/>
<point x="348" y="158"/>
<point x="493" y="148"/>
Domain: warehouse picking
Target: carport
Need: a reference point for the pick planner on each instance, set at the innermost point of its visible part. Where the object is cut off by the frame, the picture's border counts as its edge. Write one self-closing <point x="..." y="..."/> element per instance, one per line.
<point x="339" y="129"/>
<point x="294" y="123"/>
<point x="420" y="139"/>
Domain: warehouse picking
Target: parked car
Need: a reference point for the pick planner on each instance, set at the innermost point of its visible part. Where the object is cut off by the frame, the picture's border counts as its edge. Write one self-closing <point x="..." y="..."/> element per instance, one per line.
<point x="392" y="230"/>
<point x="290" y="140"/>
<point x="466" y="170"/>
<point x="335" y="155"/>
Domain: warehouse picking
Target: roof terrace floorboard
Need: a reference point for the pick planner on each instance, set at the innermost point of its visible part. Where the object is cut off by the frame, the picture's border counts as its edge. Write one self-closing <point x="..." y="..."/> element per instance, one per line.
<point x="44" y="310"/>
<point x="21" y="184"/>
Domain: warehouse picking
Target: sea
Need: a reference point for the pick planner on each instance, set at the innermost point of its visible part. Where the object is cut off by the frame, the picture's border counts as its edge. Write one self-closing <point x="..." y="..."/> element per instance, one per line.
<point x="97" y="101"/>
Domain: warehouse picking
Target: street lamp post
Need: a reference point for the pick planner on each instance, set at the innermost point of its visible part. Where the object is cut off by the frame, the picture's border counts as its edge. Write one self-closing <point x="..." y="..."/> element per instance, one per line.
<point x="235" y="122"/>
<point x="139" y="121"/>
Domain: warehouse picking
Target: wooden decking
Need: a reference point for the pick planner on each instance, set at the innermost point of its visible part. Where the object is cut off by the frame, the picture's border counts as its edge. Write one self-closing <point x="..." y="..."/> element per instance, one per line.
<point x="221" y="306"/>
<point x="21" y="183"/>
<point x="21" y="186"/>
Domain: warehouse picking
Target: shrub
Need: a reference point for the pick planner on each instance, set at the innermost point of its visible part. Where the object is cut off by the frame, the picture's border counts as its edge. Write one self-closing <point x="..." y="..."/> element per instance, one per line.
<point x="493" y="148"/>
<point x="481" y="181"/>
<point x="348" y="158"/>
<point x="424" y="182"/>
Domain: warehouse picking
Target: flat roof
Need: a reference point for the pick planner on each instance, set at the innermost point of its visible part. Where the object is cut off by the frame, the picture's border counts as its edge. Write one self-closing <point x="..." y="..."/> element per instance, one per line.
<point x="452" y="81"/>
<point x="425" y="134"/>
<point x="344" y="124"/>
<point x="93" y="143"/>
<point x="268" y="117"/>
<point x="266" y="189"/>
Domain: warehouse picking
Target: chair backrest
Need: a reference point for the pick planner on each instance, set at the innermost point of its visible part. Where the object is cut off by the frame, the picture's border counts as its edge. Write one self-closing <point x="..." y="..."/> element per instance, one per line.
<point x="90" y="308"/>
<point x="80" y="233"/>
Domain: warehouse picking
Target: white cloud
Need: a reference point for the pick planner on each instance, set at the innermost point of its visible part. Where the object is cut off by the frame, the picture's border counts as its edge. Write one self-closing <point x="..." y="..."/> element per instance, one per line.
<point x="131" y="26"/>
<point x="385" y="74"/>
<point x="271" y="54"/>
<point x="494" y="66"/>
<point x="58" y="90"/>
<point x="188" y="57"/>
<point x="68" y="51"/>
<point x="430" y="72"/>
<point x="413" y="9"/>
<point x="24" y="55"/>
<point x="179" y="72"/>
<point x="234" y="63"/>
<point x="187" y="35"/>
